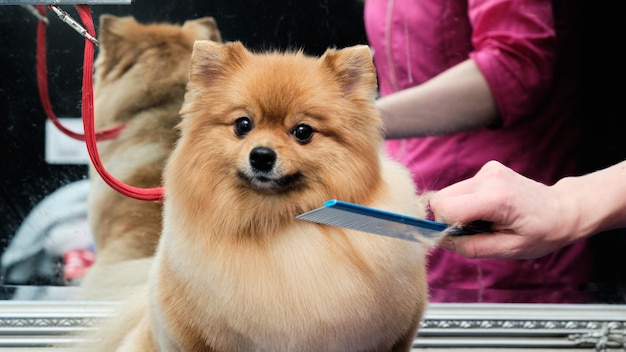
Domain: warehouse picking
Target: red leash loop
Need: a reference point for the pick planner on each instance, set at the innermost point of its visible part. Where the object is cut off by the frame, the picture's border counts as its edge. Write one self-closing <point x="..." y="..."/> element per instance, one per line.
<point x="42" y="85"/>
<point x="147" y="194"/>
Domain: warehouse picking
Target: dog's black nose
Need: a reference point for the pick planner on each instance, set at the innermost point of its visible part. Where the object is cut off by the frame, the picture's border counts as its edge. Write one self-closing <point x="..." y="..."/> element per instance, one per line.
<point x="262" y="158"/>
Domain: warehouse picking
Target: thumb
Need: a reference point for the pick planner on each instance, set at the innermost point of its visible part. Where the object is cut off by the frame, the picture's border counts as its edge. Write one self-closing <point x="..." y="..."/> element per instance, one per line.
<point x="461" y="209"/>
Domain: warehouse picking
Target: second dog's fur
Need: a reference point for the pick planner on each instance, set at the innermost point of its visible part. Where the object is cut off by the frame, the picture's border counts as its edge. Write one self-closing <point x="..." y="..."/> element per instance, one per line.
<point x="140" y="78"/>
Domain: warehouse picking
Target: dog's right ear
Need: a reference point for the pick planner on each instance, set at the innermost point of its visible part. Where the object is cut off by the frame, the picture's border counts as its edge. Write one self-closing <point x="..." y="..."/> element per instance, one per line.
<point x="205" y="28"/>
<point x="211" y="60"/>
<point x="207" y="59"/>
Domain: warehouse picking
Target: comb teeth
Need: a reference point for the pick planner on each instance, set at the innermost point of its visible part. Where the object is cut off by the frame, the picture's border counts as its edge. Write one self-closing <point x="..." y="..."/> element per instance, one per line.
<point x="359" y="222"/>
<point x="361" y="218"/>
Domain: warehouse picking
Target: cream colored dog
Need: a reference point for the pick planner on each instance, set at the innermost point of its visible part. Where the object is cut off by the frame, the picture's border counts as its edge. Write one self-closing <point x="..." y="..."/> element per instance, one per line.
<point x="140" y="78"/>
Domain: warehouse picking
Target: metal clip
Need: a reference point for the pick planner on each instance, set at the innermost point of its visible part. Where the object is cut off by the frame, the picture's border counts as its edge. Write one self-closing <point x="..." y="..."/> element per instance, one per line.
<point x="33" y="10"/>
<point x="65" y="17"/>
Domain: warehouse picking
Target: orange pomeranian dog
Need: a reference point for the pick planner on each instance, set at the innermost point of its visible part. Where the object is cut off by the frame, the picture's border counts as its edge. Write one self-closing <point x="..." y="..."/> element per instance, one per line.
<point x="265" y="137"/>
<point x="142" y="71"/>
<point x="140" y="78"/>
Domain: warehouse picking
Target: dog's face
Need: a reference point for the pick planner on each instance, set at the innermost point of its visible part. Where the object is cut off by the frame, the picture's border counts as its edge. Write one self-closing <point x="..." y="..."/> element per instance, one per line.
<point x="278" y="130"/>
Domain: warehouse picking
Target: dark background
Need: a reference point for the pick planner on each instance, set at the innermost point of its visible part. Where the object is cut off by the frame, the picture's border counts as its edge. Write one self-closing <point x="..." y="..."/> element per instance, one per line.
<point x="272" y="24"/>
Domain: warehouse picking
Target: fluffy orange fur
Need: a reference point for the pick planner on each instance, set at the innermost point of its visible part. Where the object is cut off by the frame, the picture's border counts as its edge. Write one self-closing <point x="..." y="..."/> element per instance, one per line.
<point x="140" y="78"/>
<point x="234" y="269"/>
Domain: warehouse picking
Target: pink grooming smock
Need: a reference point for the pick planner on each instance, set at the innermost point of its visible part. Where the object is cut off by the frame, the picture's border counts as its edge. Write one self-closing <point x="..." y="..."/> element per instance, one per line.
<point x="525" y="50"/>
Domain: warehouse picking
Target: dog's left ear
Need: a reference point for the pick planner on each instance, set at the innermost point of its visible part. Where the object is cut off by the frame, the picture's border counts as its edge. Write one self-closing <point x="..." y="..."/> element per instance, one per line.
<point x="353" y="68"/>
<point x="115" y="44"/>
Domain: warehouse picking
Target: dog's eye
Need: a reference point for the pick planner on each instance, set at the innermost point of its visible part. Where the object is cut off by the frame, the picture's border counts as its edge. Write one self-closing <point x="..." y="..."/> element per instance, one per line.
<point x="243" y="125"/>
<point x="303" y="133"/>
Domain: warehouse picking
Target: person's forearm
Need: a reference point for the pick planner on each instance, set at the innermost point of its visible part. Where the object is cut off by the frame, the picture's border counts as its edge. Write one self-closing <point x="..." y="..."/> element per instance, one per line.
<point x="597" y="201"/>
<point x="457" y="100"/>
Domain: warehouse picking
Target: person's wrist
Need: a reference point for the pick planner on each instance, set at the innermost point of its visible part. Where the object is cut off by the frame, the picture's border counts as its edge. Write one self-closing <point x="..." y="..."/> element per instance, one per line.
<point x="576" y="222"/>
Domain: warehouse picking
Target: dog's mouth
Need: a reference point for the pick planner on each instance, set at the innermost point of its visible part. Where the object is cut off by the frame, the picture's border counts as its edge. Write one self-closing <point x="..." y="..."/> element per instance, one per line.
<point x="268" y="183"/>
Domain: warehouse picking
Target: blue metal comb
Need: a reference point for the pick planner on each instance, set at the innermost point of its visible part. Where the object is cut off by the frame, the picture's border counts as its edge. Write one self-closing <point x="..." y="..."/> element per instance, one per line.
<point x="361" y="218"/>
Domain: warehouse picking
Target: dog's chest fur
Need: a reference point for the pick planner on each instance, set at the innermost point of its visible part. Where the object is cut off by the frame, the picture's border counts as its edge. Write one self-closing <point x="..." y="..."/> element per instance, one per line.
<point x="271" y="300"/>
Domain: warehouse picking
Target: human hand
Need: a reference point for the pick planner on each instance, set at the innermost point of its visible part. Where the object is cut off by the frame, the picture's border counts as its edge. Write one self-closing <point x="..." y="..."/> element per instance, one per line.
<point x="529" y="219"/>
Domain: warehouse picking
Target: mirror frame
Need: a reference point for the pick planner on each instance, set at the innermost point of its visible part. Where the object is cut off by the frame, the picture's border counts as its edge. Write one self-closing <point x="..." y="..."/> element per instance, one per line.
<point x="542" y="327"/>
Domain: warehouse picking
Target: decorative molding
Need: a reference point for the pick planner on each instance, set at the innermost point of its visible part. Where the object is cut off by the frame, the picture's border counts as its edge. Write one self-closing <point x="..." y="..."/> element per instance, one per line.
<point x="522" y="326"/>
<point x="31" y="324"/>
<point x="609" y="336"/>
<point x="504" y="325"/>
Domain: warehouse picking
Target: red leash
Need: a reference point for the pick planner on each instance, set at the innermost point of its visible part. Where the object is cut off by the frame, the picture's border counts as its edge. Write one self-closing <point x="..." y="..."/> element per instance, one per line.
<point x="147" y="194"/>
<point x="42" y="85"/>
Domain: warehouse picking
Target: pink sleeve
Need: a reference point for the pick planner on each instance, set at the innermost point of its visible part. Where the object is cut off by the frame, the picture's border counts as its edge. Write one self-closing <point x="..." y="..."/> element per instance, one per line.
<point x="515" y="49"/>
